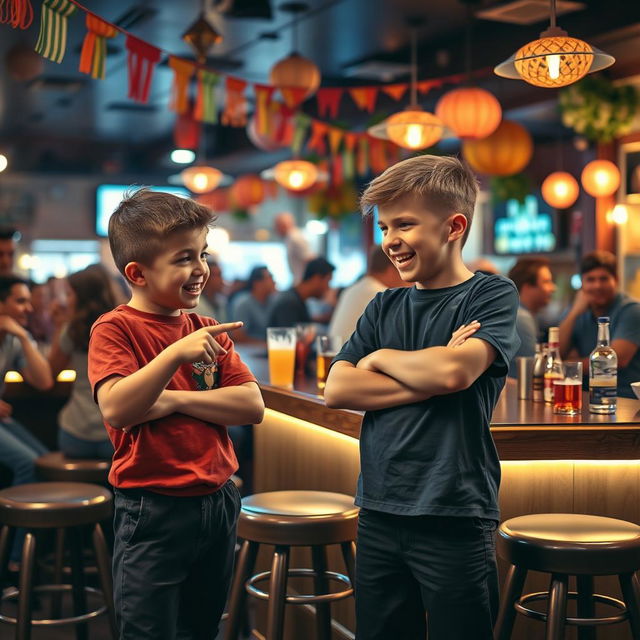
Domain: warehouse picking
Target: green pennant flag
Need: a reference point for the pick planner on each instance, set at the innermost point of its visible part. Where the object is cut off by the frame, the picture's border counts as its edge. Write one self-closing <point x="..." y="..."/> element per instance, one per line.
<point x="206" y="107"/>
<point x="52" y="39"/>
<point x="301" y="126"/>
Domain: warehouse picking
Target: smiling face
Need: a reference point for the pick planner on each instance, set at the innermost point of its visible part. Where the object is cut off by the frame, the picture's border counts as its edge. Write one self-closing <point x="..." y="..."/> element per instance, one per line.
<point x="18" y="304"/>
<point x="416" y="240"/>
<point x="600" y="287"/>
<point x="176" y="277"/>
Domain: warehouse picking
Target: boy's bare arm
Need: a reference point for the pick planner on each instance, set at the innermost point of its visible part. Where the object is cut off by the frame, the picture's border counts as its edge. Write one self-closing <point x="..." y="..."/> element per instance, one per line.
<point x="124" y="401"/>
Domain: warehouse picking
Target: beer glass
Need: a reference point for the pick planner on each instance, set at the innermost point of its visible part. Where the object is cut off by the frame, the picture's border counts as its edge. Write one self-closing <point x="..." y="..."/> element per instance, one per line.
<point x="326" y="348"/>
<point x="281" y="347"/>
<point x="567" y="392"/>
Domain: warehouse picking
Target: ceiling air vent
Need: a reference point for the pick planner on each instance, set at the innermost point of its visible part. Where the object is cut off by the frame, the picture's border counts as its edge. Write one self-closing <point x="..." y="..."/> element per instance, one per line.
<point x="527" y="11"/>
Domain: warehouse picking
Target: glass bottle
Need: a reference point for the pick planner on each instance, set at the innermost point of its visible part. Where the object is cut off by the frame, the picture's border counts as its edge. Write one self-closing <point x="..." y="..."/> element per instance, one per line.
<point x="537" y="390"/>
<point x="603" y="372"/>
<point x="553" y="365"/>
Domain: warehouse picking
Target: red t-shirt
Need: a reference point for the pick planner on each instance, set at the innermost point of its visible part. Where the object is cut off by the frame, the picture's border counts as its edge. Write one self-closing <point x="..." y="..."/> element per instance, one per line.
<point x="178" y="454"/>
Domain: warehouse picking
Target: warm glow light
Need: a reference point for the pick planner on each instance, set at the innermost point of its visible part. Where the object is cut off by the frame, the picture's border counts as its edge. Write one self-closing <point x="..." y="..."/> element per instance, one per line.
<point x="619" y="214"/>
<point x="4" y="163"/>
<point x="600" y="178"/>
<point x="13" y="376"/>
<point x="470" y="112"/>
<point x="560" y="189"/>
<point x="297" y="78"/>
<point x="66" y="375"/>
<point x="200" y="179"/>
<point x="296" y="175"/>
<point x="411" y="129"/>
<point x="553" y="65"/>
<point x="182" y="156"/>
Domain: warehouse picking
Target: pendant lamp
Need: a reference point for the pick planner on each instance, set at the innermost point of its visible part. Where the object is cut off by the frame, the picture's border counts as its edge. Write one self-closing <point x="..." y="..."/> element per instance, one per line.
<point x="412" y="128"/>
<point x="560" y="190"/>
<point x="600" y="178"/>
<point x="555" y="59"/>
<point x="201" y="178"/>
<point x="296" y="175"/>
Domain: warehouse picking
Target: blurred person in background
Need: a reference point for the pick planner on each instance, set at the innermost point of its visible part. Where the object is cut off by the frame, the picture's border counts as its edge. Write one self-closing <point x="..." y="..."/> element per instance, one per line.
<point x="8" y="239"/>
<point x="381" y="275"/>
<point x="299" y="251"/>
<point x="600" y="296"/>
<point x="483" y="265"/>
<point x="81" y="432"/>
<point x="40" y="324"/>
<point x="534" y="281"/>
<point x="251" y="307"/>
<point x="290" y="307"/>
<point x="213" y="301"/>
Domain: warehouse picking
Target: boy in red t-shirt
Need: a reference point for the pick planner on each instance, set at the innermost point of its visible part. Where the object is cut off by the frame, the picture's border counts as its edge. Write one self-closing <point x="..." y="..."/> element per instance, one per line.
<point x="167" y="382"/>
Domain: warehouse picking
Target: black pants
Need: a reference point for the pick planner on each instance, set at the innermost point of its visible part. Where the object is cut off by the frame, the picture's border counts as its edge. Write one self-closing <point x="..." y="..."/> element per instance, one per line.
<point x="409" y="565"/>
<point x="172" y="563"/>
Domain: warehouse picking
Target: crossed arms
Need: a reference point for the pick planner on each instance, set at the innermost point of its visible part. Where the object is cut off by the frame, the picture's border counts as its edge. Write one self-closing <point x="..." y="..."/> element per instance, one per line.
<point x="390" y="377"/>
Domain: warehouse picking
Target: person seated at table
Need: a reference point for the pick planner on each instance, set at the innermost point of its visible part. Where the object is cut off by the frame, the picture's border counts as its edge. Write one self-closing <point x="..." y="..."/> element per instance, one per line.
<point x="600" y="296"/>
<point x="81" y="432"/>
<point x="19" y="448"/>
<point x="251" y="307"/>
<point x="290" y="307"/>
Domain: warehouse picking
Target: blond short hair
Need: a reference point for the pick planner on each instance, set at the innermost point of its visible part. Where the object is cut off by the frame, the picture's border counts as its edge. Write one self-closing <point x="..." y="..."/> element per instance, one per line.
<point x="144" y="219"/>
<point x="442" y="184"/>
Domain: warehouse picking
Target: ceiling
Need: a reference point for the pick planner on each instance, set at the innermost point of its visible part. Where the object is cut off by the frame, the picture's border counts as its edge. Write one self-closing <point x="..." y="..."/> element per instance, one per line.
<point x="64" y="121"/>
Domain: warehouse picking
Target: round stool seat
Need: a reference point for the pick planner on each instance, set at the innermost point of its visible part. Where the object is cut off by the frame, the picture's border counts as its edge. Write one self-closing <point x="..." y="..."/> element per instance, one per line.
<point x="56" y="467"/>
<point x="54" y="504"/>
<point x="298" y="518"/>
<point x="570" y="543"/>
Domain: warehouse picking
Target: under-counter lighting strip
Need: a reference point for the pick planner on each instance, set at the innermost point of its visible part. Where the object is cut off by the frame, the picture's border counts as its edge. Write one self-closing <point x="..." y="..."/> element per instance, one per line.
<point x="66" y="375"/>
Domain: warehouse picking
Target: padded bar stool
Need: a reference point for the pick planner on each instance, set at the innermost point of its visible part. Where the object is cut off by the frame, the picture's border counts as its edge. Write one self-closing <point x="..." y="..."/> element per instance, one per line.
<point x="54" y="505"/>
<point x="56" y="467"/>
<point x="289" y="519"/>
<point x="568" y="544"/>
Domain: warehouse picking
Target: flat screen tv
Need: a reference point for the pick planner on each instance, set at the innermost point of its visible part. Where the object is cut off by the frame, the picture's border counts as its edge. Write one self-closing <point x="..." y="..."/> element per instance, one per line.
<point x="108" y="197"/>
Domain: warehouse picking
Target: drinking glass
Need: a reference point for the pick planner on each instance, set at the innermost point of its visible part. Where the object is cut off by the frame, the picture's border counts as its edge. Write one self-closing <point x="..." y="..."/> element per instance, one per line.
<point x="326" y="348"/>
<point x="281" y="347"/>
<point x="305" y="333"/>
<point x="567" y="392"/>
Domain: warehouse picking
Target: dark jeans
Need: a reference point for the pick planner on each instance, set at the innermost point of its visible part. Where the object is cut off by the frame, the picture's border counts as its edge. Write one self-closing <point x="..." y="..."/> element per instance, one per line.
<point x="409" y="565"/>
<point x="172" y="562"/>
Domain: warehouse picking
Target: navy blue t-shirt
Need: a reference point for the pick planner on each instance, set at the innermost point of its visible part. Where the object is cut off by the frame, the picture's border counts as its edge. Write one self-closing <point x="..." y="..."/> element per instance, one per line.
<point x="435" y="457"/>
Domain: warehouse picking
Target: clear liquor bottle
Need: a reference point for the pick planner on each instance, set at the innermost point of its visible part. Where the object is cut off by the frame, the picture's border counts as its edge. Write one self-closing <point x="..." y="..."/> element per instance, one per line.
<point x="553" y="366"/>
<point x="537" y="390"/>
<point x="603" y="372"/>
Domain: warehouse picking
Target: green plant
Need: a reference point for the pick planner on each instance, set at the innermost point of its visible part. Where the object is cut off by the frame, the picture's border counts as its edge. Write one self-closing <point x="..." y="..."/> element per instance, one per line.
<point x="515" y="187"/>
<point x="597" y="109"/>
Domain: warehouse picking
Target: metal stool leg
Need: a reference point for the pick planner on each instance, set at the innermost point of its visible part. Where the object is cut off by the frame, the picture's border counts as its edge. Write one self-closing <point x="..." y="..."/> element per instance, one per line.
<point x="349" y="556"/>
<point x="58" y="567"/>
<point x="277" y="593"/>
<point x="631" y="593"/>
<point x="586" y="606"/>
<point x="513" y="586"/>
<point x="77" y="581"/>
<point x="104" y="573"/>
<point x="323" y="610"/>
<point x="244" y="568"/>
<point x="557" y="607"/>
<point x="23" y="627"/>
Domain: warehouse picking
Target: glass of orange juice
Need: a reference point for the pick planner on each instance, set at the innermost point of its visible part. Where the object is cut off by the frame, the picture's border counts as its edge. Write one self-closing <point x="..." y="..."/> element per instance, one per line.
<point x="281" y="345"/>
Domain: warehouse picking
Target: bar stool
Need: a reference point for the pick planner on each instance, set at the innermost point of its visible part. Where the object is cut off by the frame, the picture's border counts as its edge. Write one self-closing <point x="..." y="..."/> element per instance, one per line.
<point x="56" y="467"/>
<point x="289" y="519"/>
<point x="568" y="544"/>
<point x="53" y="505"/>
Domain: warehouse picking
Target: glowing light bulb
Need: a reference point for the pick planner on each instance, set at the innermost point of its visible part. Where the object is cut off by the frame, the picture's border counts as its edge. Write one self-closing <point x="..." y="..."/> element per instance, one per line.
<point x="296" y="179"/>
<point x="4" y="163"/>
<point x="200" y="181"/>
<point x="561" y="189"/>
<point x="619" y="215"/>
<point x="553" y="64"/>
<point x="413" y="136"/>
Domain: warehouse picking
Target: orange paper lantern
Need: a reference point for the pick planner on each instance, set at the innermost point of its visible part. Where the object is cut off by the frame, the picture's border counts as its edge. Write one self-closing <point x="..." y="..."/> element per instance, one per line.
<point x="200" y="178"/>
<point x="295" y="175"/>
<point x="297" y="73"/>
<point x="560" y="189"/>
<point x="471" y="113"/>
<point x="506" y="151"/>
<point x="247" y="191"/>
<point x="600" y="178"/>
<point x="217" y="201"/>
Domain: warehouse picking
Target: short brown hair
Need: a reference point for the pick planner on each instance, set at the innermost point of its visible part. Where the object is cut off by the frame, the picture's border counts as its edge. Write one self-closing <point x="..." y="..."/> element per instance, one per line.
<point x="599" y="260"/>
<point x="526" y="270"/>
<point x="145" y="218"/>
<point x="443" y="183"/>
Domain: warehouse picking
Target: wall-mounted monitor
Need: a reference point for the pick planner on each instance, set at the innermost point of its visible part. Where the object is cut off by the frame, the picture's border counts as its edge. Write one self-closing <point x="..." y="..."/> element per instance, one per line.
<point x="108" y="197"/>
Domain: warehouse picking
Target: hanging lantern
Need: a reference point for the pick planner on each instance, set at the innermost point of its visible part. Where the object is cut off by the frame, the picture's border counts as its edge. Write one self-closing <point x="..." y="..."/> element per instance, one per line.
<point x="247" y="191"/>
<point x="555" y="59"/>
<point x="217" y="200"/>
<point x="280" y="132"/>
<point x="200" y="179"/>
<point x="600" y="178"/>
<point x="411" y="129"/>
<point x="470" y="112"/>
<point x="298" y="74"/>
<point x="296" y="175"/>
<point x="506" y="151"/>
<point x="560" y="189"/>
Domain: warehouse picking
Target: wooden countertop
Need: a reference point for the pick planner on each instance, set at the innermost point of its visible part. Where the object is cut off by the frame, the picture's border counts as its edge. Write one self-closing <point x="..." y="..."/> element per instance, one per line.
<point x="522" y="429"/>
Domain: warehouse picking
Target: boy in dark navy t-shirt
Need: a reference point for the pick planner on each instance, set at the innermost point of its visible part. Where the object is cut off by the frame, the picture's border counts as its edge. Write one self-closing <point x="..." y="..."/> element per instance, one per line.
<point x="427" y="365"/>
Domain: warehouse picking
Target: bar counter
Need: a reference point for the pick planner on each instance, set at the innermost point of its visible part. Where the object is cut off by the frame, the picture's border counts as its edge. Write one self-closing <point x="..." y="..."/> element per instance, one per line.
<point x="550" y="464"/>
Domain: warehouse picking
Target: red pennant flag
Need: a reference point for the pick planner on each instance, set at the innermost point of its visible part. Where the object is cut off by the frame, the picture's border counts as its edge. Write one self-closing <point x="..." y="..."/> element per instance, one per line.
<point x="328" y="102"/>
<point x="426" y="85"/>
<point x="141" y="59"/>
<point x="395" y="91"/>
<point x="293" y="96"/>
<point x="362" y="156"/>
<point x="350" y="140"/>
<point x="263" y="108"/>
<point x="337" y="173"/>
<point x="235" y="109"/>
<point x="318" y="132"/>
<point x="377" y="155"/>
<point x="365" y="97"/>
